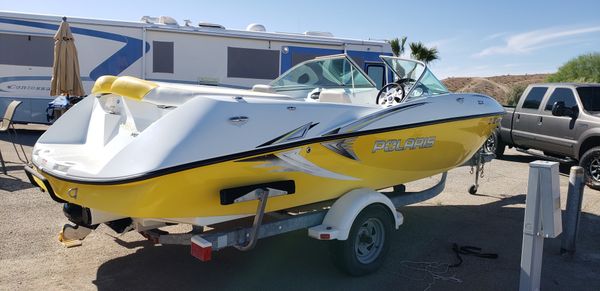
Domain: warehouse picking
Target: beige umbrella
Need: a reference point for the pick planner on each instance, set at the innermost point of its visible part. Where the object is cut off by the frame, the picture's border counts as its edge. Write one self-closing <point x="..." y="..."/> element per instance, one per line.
<point x="65" y="71"/>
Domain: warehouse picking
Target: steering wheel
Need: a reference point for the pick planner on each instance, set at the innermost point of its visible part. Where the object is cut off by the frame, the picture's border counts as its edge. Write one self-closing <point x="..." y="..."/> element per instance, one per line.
<point x="390" y="94"/>
<point x="393" y="93"/>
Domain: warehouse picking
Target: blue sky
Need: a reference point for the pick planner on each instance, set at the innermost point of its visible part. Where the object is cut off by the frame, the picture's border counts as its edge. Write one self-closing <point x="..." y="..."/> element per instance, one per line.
<point x="475" y="38"/>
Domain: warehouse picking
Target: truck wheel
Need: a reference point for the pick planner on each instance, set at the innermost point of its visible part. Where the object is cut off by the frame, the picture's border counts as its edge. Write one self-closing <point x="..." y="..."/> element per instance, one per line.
<point x="494" y="145"/>
<point x="367" y="244"/>
<point x="590" y="162"/>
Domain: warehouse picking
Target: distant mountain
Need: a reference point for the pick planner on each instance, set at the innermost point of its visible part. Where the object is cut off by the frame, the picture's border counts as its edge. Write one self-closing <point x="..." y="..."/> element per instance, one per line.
<point x="497" y="86"/>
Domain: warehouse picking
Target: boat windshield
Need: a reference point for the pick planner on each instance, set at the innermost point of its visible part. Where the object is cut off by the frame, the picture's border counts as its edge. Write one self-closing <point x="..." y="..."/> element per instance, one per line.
<point x="325" y="72"/>
<point x="418" y="79"/>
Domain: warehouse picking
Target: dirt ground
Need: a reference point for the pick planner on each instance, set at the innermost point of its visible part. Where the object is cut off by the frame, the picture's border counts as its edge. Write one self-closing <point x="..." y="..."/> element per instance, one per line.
<point x="32" y="258"/>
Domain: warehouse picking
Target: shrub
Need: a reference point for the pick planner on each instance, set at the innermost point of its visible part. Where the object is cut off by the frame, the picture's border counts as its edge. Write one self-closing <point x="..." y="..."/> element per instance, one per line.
<point x="512" y="98"/>
<point x="583" y="69"/>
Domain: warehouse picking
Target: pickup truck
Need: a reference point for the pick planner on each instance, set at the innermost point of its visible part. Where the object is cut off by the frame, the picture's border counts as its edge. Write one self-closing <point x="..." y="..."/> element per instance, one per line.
<point x="556" y="121"/>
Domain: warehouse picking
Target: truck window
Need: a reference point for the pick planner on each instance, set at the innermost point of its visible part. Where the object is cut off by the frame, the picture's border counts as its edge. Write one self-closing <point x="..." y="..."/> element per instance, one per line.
<point x="561" y="94"/>
<point x="26" y="50"/>
<point x="534" y="98"/>
<point x="162" y="57"/>
<point x="590" y="98"/>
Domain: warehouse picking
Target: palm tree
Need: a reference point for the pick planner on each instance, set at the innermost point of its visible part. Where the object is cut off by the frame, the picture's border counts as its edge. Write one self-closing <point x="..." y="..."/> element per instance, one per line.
<point x="422" y="53"/>
<point x="398" y="46"/>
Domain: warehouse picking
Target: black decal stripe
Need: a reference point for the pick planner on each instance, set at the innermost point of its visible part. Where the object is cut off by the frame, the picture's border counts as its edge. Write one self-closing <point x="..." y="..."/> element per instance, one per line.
<point x="373" y="117"/>
<point x="263" y="158"/>
<point x="281" y="137"/>
<point x="265" y="150"/>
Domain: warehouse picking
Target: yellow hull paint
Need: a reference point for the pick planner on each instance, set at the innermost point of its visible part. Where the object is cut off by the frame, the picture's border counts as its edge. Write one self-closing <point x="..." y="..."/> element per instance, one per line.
<point x="195" y="192"/>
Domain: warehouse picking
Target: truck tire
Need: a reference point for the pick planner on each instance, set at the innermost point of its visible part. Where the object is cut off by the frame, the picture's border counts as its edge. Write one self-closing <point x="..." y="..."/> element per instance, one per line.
<point x="590" y="162"/>
<point x="494" y="145"/>
<point x="368" y="242"/>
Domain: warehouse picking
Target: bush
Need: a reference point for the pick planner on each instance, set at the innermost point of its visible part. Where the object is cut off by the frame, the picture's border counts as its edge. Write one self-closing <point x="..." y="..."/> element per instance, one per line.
<point x="512" y="98"/>
<point x="582" y="69"/>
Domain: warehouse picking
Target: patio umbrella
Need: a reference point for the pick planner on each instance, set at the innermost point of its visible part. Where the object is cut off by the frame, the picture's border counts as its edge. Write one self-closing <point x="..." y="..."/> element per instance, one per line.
<point x="65" y="71"/>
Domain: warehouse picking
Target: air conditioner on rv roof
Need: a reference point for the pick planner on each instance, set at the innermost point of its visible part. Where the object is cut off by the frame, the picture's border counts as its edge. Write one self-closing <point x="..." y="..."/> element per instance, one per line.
<point x="166" y="20"/>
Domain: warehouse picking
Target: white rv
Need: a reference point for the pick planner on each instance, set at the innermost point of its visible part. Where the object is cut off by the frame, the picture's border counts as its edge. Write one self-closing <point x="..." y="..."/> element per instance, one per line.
<point x="162" y="50"/>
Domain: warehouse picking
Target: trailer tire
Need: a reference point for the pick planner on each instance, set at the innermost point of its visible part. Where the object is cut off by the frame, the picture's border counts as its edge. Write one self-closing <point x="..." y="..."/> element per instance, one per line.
<point x="368" y="242"/>
<point x="590" y="162"/>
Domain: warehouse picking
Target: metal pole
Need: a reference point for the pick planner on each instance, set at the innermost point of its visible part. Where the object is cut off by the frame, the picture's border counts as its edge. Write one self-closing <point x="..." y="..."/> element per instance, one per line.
<point x="573" y="210"/>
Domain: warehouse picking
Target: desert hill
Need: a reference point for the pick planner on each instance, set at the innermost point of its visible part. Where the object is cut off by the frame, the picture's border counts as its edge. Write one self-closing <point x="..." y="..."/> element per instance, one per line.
<point x="498" y="87"/>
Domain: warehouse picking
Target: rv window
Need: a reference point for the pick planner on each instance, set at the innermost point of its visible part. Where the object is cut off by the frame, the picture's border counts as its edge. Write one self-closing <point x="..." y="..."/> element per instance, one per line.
<point x="301" y="57"/>
<point x="162" y="57"/>
<point x="26" y="50"/>
<point x="252" y="63"/>
<point x="377" y="74"/>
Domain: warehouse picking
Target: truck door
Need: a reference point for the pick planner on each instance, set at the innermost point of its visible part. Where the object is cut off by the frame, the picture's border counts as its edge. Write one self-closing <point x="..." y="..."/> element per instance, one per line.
<point x="526" y="118"/>
<point x="558" y="133"/>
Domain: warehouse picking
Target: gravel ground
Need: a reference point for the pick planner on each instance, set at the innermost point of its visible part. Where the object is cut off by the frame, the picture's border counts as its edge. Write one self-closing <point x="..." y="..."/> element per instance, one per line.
<point x="32" y="258"/>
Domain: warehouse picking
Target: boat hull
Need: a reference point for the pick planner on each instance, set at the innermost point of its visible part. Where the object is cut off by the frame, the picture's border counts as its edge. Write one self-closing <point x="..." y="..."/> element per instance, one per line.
<point x="376" y="160"/>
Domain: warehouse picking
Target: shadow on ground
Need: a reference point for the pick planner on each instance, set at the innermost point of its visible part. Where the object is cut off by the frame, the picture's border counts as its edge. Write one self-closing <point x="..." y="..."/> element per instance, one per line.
<point x="26" y="137"/>
<point x="14" y="166"/>
<point x="296" y="262"/>
<point x="11" y="183"/>
<point x="564" y="168"/>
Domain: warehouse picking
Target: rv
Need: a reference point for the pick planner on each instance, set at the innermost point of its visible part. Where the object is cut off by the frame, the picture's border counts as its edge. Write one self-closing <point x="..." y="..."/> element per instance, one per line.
<point x="160" y="49"/>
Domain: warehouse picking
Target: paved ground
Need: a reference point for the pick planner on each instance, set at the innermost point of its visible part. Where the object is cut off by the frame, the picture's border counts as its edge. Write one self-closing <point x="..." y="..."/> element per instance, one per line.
<point x="31" y="257"/>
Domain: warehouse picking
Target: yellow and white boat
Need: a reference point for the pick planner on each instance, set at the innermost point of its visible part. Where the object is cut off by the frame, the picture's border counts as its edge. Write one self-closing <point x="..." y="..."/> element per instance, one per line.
<point x="137" y="151"/>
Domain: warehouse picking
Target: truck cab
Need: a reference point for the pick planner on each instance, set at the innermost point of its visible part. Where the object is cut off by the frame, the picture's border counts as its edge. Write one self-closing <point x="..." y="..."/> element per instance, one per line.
<point x="561" y="120"/>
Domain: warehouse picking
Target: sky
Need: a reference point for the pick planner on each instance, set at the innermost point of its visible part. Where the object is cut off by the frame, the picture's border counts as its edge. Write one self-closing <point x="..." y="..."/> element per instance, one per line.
<point x="474" y="38"/>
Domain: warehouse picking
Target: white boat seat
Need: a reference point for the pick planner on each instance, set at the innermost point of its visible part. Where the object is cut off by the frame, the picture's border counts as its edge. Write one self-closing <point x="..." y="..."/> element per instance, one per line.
<point x="334" y="96"/>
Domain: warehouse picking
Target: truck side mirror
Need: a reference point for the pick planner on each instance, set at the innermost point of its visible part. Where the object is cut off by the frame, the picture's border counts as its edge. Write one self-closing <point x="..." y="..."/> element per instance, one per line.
<point x="558" y="108"/>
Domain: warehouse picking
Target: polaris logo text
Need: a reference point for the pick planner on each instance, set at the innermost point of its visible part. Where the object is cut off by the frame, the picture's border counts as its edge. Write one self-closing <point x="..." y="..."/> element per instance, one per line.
<point x="398" y="145"/>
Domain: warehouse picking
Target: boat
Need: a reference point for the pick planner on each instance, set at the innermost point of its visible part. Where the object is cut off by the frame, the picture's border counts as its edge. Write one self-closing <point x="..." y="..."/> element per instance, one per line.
<point x="143" y="153"/>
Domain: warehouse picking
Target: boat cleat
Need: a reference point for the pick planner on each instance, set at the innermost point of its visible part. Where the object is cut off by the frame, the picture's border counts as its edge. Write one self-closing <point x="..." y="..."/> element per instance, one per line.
<point x="71" y="235"/>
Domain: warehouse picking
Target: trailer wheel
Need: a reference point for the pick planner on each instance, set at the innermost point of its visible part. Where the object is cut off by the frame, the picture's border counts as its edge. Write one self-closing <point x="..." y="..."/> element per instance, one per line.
<point x="367" y="244"/>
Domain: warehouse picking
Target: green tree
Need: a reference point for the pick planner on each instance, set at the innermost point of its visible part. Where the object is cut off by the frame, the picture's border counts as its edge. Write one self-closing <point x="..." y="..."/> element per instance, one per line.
<point x="398" y="46"/>
<point x="512" y="98"/>
<point x="422" y="53"/>
<point x="584" y="69"/>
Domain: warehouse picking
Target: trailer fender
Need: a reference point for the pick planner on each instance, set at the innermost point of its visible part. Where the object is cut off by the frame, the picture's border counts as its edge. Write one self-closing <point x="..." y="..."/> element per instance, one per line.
<point x="339" y="219"/>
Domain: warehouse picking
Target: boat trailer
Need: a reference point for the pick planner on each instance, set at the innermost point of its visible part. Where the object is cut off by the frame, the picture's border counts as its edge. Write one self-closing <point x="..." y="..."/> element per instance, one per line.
<point x="359" y="218"/>
<point x="358" y="223"/>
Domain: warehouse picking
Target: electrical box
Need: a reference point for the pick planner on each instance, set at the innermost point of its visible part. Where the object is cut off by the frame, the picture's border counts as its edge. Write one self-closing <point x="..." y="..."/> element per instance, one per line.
<point x="550" y="203"/>
<point x="542" y="210"/>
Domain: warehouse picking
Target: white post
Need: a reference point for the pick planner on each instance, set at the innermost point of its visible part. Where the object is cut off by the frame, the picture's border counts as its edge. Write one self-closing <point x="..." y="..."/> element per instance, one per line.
<point x="542" y="219"/>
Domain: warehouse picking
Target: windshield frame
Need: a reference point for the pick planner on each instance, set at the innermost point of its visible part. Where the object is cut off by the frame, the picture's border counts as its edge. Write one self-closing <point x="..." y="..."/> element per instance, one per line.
<point x="383" y="58"/>
<point x="353" y="66"/>
<point x="387" y="60"/>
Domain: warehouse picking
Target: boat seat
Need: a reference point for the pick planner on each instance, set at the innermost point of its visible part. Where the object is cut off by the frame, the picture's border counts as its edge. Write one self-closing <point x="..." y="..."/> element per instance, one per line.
<point x="334" y="96"/>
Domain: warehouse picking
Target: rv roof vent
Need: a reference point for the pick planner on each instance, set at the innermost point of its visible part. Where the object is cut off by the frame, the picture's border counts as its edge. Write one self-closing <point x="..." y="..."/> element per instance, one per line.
<point x="149" y="19"/>
<point x="167" y="20"/>
<point x="210" y="25"/>
<point x="319" y="33"/>
<point x="187" y="22"/>
<point x="256" y="27"/>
